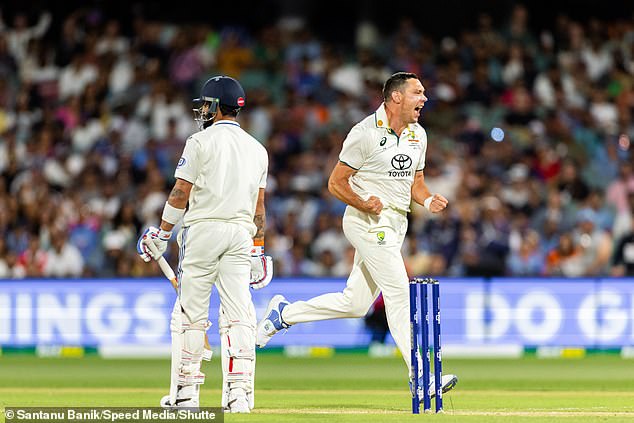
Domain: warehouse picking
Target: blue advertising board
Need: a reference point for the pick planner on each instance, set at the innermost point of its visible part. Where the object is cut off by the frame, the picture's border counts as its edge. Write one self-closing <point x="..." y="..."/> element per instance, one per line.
<point x="593" y="313"/>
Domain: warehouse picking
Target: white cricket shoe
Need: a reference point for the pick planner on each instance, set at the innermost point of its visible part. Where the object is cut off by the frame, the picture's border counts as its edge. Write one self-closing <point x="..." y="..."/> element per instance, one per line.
<point x="238" y="402"/>
<point x="186" y="397"/>
<point x="180" y="403"/>
<point x="272" y="323"/>
<point x="448" y="383"/>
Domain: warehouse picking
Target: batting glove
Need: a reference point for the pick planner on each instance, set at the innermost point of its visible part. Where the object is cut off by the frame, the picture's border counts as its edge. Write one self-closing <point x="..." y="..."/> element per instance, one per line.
<point x="261" y="268"/>
<point x="153" y="243"/>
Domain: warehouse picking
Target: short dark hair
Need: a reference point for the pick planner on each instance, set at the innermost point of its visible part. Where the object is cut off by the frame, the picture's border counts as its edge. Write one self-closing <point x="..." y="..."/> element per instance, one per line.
<point x="229" y="111"/>
<point x="395" y="83"/>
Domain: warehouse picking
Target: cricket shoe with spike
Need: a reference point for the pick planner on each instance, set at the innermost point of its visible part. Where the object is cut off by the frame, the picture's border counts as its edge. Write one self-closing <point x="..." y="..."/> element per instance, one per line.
<point x="272" y="322"/>
<point x="238" y="402"/>
<point x="448" y="383"/>
<point x="187" y="397"/>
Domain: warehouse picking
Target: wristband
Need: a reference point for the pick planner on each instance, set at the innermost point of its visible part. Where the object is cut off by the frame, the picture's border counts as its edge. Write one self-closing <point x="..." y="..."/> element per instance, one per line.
<point x="427" y="202"/>
<point x="171" y="214"/>
<point x="258" y="247"/>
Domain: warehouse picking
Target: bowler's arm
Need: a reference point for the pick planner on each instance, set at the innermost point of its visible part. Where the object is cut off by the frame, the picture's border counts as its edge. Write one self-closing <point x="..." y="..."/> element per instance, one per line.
<point x="339" y="186"/>
<point x="420" y="193"/>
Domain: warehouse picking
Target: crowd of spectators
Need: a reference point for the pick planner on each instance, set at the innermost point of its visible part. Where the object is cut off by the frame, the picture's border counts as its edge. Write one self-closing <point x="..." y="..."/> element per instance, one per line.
<point x="528" y="137"/>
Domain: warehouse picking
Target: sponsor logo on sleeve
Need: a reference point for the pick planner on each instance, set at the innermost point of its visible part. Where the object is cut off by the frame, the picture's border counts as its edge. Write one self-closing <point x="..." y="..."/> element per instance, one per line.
<point x="181" y="162"/>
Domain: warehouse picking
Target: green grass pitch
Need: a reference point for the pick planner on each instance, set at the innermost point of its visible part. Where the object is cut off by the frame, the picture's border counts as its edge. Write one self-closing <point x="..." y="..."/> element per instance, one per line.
<point x="343" y="388"/>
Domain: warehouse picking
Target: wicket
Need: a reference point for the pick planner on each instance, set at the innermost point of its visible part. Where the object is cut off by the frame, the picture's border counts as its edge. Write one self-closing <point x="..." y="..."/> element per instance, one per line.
<point x="418" y="289"/>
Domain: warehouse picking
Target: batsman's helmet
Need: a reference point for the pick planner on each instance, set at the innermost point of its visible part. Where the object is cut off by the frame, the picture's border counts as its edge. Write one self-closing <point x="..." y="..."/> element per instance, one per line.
<point x="218" y="91"/>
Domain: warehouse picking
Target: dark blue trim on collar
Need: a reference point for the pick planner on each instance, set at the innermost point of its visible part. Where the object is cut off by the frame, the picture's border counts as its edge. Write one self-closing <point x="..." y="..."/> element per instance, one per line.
<point x="226" y="122"/>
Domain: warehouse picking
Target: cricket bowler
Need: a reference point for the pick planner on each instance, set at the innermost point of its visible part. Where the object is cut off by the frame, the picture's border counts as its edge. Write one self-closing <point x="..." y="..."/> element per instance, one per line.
<point x="379" y="173"/>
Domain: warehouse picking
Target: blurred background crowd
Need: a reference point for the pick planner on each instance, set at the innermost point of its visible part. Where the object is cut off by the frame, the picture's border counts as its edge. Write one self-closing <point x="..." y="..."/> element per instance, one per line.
<point x="529" y="137"/>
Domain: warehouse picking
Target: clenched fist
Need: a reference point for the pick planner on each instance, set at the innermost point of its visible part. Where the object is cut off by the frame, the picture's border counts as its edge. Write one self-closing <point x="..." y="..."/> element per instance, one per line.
<point x="436" y="203"/>
<point x="372" y="205"/>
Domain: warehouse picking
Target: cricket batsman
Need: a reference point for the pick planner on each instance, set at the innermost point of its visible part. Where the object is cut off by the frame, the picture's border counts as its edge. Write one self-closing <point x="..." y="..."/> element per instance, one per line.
<point x="379" y="173"/>
<point x="219" y="194"/>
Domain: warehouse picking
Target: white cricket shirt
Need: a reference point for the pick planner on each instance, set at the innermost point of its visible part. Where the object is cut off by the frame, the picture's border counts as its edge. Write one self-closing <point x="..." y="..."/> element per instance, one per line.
<point x="385" y="162"/>
<point x="227" y="167"/>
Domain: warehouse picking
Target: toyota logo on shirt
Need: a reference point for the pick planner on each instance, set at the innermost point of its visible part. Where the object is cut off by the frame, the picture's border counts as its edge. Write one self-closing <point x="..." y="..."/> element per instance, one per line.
<point x="401" y="162"/>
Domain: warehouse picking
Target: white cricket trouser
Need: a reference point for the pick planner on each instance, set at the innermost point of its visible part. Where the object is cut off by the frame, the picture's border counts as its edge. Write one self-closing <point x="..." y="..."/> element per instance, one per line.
<point x="215" y="253"/>
<point x="218" y="253"/>
<point x="378" y="267"/>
